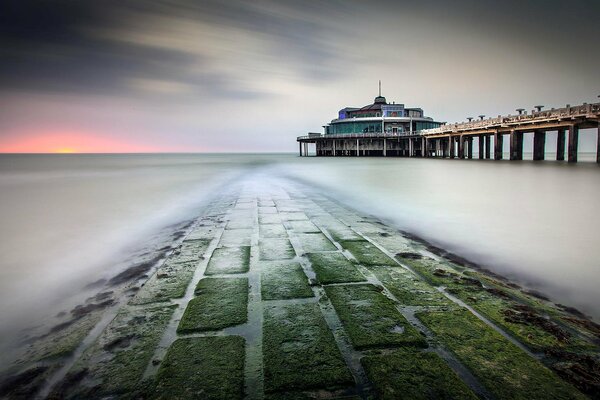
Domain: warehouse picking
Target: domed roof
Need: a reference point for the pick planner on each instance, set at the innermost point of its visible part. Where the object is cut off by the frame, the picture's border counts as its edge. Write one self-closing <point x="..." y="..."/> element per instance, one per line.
<point x="380" y="100"/>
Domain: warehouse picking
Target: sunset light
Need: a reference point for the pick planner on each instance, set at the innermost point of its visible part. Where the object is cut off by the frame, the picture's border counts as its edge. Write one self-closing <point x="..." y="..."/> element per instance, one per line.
<point x="70" y="142"/>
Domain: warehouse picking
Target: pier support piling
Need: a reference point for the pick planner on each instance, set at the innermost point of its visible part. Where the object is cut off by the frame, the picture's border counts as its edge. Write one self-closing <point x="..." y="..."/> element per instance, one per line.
<point x="598" y="145"/>
<point x="573" y="143"/>
<point x="516" y="145"/>
<point x="470" y="148"/>
<point x="498" y="145"/>
<point x="481" y="146"/>
<point x="487" y="146"/>
<point x="300" y="148"/>
<point x="560" y="145"/>
<point x="539" y="145"/>
<point x="461" y="146"/>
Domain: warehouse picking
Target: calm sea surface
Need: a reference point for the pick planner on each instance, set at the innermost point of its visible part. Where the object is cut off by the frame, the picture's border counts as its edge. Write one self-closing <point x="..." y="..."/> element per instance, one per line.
<point x="68" y="220"/>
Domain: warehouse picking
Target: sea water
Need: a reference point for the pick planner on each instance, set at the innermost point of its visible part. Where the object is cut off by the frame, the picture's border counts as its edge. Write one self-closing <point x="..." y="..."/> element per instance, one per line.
<point x="69" y="220"/>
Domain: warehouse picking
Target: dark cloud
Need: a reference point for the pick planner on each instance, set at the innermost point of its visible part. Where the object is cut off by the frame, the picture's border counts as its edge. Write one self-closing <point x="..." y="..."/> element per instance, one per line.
<point x="51" y="46"/>
<point x="76" y="46"/>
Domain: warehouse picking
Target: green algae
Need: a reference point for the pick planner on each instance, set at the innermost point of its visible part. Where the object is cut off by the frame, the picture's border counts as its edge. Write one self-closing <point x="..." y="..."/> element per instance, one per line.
<point x="229" y="260"/>
<point x="299" y="350"/>
<point x="408" y="288"/>
<point x="208" y="368"/>
<point x="293" y="215"/>
<point x="62" y="342"/>
<point x="414" y="376"/>
<point x="303" y="227"/>
<point x="504" y="369"/>
<point x="392" y="241"/>
<point x="236" y="237"/>
<point x="282" y="280"/>
<point x="312" y="242"/>
<point x="120" y="355"/>
<point x="170" y="281"/>
<point x="276" y="249"/>
<point x="220" y="302"/>
<point x="272" y="231"/>
<point x="334" y="268"/>
<point x="240" y="223"/>
<point x="371" y="319"/>
<point x="203" y="232"/>
<point x="25" y="384"/>
<point x="366" y="253"/>
<point x="500" y="303"/>
<point x="189" y="251"/>
<point x="269" y="219"/>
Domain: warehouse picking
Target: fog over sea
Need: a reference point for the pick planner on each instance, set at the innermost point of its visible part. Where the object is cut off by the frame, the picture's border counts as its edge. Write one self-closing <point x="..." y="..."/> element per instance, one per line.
<point x="70" y="220"/>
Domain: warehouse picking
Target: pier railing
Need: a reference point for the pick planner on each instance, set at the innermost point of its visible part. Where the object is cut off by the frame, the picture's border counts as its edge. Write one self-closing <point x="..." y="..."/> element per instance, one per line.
<point x="536" y="116"/>
<point x="367" y="135"/>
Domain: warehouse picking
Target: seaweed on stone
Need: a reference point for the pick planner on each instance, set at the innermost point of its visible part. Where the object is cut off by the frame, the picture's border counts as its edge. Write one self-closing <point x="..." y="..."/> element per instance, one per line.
<point x="282" y="280"/>
<point x="299" y="350"/>
<point x="367" y="253"/>
<point x="371" y="319"/>
<point x="415" y="376"/>
<point x="312" y="242"/>
<point x="276" y="249"/>
<point x="503" y="368"/>
<point x="220" y="302"/>
<point x="334" y="268"/>
<point x="210" y="368"/>
<point x="229" y="260"/>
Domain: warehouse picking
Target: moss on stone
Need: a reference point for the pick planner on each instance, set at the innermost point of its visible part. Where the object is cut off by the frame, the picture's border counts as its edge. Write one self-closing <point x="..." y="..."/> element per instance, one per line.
<point x="408" y="288"/>
<point x="269" y="219"/>
<point x="312" y="242"/>
<point x="299" y="350"/>
<point x="282" y="280"/>
<point x="504" y="369"/>
<point x="500" y="303"/>
<point x="366" y="253"/>
<point x="371" y="319"/>
<point x="207" y="368"/>
<point x="334" y="268"/>
<point x="170" y="281"/>
<point x="303" y="227"/>
<point x="115" y="363"/>
<point x="414" y="376"/>
<point x="292" y="215"/>
<point x="220" y="302"/>
<point x="229" y="260"/>
<point x="189" y="251"/>
<point x="276" y="249"/>
<point x="272" y="231"/>
<point x="236" y="238"/>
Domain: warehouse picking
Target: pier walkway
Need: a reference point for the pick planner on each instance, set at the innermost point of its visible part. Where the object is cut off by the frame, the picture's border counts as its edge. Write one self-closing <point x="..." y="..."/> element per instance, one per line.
<point x="279" y="292"/>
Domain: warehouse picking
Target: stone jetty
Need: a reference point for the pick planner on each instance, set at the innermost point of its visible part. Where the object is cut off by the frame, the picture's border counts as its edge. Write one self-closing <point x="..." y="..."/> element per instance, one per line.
<point x="277" y="291"/>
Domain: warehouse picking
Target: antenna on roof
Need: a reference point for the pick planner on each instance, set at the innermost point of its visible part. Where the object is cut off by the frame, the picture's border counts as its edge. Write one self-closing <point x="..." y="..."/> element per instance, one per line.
<point x="380" y="88"/>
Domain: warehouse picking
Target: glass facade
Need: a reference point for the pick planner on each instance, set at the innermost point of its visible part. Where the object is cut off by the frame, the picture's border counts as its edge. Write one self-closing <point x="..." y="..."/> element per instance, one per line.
<point x="354" y="127"/>
<point x="375" y="127"/>
<point x="420" y="125"/>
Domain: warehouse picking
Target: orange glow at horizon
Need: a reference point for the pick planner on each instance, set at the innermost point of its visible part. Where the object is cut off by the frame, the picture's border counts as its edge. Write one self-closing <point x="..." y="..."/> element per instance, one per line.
<point x="72" y="142"/>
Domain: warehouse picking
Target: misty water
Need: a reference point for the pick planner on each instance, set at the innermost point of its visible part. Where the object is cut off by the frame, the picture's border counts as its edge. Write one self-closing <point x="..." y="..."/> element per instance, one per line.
<point x="69" y="220"/>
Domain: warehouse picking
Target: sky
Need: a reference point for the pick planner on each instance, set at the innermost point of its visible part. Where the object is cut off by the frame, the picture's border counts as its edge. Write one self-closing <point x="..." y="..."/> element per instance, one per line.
<point x="236" y="76"/>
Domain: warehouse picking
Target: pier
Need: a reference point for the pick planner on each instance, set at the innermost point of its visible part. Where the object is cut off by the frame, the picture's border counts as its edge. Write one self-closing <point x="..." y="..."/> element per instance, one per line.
<point x="457" y="140"/>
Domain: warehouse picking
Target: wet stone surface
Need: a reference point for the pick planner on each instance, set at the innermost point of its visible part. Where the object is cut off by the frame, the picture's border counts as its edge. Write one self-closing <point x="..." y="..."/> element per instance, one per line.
<point x="279" y="292"/>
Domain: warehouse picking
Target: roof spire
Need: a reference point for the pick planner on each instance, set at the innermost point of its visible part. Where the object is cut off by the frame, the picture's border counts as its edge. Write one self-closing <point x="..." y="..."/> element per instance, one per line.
<point x="380" y="88"/>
